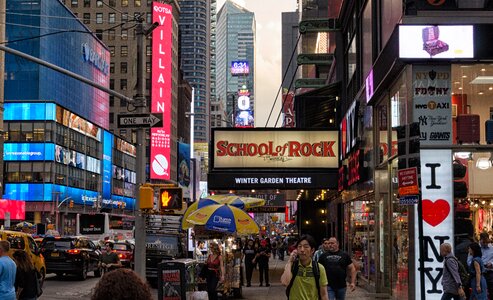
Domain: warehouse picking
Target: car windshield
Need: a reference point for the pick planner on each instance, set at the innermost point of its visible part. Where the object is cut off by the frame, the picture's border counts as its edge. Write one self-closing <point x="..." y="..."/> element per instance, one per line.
<point x="120" y="247"/>
<point x="57" y="244"/>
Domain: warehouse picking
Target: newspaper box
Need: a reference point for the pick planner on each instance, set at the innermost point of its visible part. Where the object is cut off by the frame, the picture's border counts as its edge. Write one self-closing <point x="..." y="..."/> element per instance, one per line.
<point x="176" y="279"/>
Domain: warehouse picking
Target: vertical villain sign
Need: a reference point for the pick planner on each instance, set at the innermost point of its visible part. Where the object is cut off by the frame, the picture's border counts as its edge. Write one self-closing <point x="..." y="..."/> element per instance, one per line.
<point x="161" y="90"/>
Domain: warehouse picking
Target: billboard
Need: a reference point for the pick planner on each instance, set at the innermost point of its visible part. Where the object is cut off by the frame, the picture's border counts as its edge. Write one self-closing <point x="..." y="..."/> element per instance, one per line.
<point x="16" y="208"/>
<point x="240" y="68"/>
<point x="431" y="41"/>
<point x="258" y="148"/>
<point x="28" y="151"/>
<point x="184" y="168"/>
<point x="161" y="91"/>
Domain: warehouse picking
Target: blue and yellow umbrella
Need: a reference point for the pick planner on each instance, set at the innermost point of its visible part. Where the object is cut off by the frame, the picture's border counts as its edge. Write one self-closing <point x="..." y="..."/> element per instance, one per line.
<point x="233" y="200"/>
<point x="224" y="218"/>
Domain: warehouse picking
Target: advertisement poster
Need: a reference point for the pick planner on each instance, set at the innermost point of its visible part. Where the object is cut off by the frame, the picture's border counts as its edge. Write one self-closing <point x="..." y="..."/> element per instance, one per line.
<point x="161" y="90"/>
<point x="438" y="218"/>
<point x="432" y="103"/>
<point x="171" y="285"/>
<point x="184" y="168"/>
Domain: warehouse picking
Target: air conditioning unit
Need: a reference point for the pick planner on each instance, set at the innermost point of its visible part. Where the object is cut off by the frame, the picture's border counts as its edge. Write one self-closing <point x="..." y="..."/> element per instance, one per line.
<point x="470" y="3"/>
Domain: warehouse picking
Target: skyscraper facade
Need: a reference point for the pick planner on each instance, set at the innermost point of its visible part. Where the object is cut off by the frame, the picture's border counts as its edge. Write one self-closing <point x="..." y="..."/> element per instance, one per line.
<point x="195" y="59"/>
<point x="235" y="43"/>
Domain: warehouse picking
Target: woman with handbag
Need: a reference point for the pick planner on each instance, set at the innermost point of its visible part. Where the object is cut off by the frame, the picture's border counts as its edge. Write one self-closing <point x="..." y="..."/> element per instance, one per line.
<point x="27" y="285"/>
<point x="215" y="270"/>
<point x="476" y="269"/>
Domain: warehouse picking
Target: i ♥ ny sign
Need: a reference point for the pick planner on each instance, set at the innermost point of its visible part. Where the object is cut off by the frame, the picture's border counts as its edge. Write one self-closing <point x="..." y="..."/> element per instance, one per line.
<point x="437" y="204"/>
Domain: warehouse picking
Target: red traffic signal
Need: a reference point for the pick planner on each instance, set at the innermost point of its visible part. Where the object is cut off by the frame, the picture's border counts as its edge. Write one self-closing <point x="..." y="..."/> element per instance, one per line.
<point x="170" y="198"/>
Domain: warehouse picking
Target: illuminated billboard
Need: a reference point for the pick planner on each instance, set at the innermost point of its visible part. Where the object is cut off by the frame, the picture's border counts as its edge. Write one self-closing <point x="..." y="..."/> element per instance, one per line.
<point x="239" y="68"/>
<point x="431" y="41"/>
<point x="161" y="91"/>
<point x="28" y="151"/>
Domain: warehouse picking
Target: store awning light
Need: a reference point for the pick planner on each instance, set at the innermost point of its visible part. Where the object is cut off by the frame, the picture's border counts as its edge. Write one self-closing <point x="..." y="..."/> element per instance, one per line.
<point x="483" y="163"/>
<point x="463" y="155"/>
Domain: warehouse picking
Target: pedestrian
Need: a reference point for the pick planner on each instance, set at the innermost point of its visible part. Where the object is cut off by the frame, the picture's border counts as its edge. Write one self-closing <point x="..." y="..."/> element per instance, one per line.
<point x="274" y="248"/>
<point x="262" y="258"/>
<point x="451" y="282"/>
<point x="215" y="270"/>
<point x="476" y="269"/>
<point x="337" y="264"/>
<point x="121" y="284"/>
<point x="304" y="278"/>
<point x="26" y="277"/>
<point x="7" y="273"/>
<point x="487" y="258"/>
<point x="109" y="259"/>
<point x="198" y="254"/>
<point x="282" y="248"/>
<point x="322" y="250"/>
<point x="249" y="253"/>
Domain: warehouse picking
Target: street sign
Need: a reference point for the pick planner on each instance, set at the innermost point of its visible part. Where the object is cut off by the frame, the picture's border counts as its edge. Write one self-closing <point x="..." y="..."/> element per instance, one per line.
<point x="408" y="181"/>
<point x="140" y="120"/>
<point x="409" y="200"/>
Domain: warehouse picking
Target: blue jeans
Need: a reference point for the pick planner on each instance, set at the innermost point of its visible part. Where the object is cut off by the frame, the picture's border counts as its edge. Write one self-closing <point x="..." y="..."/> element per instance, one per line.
<point x="336" y="294"/>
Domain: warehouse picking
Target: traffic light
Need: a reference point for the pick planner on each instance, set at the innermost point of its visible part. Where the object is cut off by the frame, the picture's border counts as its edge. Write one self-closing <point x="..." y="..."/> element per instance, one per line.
<point x="170" y="198"/>
<point x="146" y="197"/>
<point x="71" y="204"/>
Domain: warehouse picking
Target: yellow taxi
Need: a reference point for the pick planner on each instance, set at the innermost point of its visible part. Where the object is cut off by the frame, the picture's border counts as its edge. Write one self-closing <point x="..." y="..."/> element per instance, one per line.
<point x="21" y="241"/>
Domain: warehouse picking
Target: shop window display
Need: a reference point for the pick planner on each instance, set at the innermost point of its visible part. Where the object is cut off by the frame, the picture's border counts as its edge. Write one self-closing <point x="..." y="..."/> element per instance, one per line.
<point x="362" y="237"/>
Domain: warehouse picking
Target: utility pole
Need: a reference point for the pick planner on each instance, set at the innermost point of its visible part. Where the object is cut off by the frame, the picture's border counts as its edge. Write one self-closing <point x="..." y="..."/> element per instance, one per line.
<point x="141" y="107"/>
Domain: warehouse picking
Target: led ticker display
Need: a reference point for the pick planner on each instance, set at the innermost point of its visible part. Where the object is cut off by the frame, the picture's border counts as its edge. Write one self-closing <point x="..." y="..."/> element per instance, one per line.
<point x="29" y="111"/>
<point x="240" y="67"/>
<point x="28" y="151"/>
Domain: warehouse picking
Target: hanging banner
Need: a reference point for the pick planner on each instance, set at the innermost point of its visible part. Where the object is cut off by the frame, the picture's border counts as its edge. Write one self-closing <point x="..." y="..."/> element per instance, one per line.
<point x="432" y="104"/>
<point x="438" y="218"/>
<point x="161" y="91"/>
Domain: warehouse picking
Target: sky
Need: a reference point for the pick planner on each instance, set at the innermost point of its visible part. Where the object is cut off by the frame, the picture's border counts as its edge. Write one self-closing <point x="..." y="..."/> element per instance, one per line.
<point x="268" y="54"/>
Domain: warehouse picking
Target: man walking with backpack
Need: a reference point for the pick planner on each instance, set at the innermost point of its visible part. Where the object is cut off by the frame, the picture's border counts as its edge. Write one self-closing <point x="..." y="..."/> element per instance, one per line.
<point x="337" y="264"/>
<point x="304" y="278"/>
<point x="451" y="282"/>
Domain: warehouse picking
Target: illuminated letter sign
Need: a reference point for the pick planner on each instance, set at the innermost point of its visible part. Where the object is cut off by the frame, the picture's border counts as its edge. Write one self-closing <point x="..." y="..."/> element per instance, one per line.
<point x="161" y="91"/>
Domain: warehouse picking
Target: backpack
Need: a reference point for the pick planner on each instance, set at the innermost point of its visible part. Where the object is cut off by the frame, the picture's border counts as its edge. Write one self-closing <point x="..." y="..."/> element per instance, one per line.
<point x="463" y="273"/>
<point x="294" y="271"/>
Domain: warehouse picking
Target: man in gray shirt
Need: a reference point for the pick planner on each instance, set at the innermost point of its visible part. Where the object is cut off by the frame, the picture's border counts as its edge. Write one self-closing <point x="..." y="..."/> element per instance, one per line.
<point x="452" y="286"/>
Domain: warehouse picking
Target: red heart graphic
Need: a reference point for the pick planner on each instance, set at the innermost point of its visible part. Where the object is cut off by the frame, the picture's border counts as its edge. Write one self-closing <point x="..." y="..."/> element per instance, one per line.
<point x="435" y="212"/>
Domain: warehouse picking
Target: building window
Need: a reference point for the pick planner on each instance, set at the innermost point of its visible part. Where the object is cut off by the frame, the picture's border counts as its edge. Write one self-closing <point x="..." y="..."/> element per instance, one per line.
<point x="112" y="117"/>
<point x="112" y="84"/>
<point x="99" y="18"/>
<point x="124" y="3"/>
<point x="112" y="50"/>
<point x="148" y="50"/>
<point x="124" y="34"/>
<point x="123" y="84"/>
<point x="124" y="17"/>
<point x="148" y="67"/>
<point x="149" y="18"/>
<point x="99" y="34"/>
<point x="112" y="101"/>
<point x="111" y="34"/>
<point x="74" y="3"/>
<point x="124" y="51"/>
<point x="99" y="3"/>
<point x="87" y="3"/>
<point x="87" y="18"/>
<point x="123" y="102"/>
<point x="123" y="67"/>
<point x="111" y="17"/>
<point x="137" y="3"/>
<point x="112" y="67"/>
<point x="112" y="3"/>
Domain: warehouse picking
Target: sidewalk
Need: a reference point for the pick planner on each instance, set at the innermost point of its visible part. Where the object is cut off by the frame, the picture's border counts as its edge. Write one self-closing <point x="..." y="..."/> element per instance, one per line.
<point x="278" y="292"/>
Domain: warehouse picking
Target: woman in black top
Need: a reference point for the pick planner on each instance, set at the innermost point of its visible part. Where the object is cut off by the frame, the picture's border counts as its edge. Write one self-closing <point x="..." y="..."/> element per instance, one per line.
<point x="25" y="277"/>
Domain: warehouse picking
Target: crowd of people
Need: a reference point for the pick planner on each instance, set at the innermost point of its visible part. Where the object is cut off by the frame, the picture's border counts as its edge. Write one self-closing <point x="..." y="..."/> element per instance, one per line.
<point x="477" y="283"/>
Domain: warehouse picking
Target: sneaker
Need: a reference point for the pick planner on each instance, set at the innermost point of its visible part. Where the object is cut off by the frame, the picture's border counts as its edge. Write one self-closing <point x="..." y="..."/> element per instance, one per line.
<point x="260" y="284"/>
<point x="268" y="284"/>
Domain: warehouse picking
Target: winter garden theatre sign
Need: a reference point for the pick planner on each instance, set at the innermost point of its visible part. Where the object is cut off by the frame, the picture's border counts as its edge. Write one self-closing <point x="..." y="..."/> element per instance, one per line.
<point x="274" y="158"/>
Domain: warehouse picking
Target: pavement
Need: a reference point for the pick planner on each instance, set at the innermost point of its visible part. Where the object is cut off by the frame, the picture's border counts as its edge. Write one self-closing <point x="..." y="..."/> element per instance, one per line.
<point x="278" y="291"/>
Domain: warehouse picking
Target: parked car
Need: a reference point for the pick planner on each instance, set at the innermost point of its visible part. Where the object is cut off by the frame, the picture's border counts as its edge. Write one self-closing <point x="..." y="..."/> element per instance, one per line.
<point x="71" y="255"/>
<point x="20" y="241"/>
<point x="125" y="253"/>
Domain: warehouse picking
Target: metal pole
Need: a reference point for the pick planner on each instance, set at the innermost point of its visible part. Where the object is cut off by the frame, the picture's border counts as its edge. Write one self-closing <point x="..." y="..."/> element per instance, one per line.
<point x="140" y="233"/>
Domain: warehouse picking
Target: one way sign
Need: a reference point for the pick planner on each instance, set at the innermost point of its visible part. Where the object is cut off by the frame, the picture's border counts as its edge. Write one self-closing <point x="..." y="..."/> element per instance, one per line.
<point x="140" y="120"/>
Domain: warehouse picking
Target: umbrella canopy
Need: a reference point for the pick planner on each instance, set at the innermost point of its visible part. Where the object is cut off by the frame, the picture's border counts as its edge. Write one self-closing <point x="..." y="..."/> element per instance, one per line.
<point x="24" y="224"/>
<point x="237" y="201"/>
<point x="233" y="200"/>
<point x="224" y="218"/>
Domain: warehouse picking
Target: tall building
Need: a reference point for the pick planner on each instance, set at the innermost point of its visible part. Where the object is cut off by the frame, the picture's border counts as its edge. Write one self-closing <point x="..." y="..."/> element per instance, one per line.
<point x="290" y="34"/>
<point x="58" y="152"/>
<point x="114" y="22"/>
<point x="195" y="59"/>
<point x="235" y="43"/>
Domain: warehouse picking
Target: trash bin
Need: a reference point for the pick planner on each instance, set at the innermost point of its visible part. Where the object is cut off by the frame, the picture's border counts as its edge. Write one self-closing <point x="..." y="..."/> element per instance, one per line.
<point x="176" y="278"/>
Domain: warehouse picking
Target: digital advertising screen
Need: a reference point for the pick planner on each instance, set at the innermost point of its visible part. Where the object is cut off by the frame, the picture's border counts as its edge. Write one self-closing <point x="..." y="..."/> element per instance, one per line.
<point x="239" y="68"/>
<point x="432" y="41"/>
<point x="28" y="151"/>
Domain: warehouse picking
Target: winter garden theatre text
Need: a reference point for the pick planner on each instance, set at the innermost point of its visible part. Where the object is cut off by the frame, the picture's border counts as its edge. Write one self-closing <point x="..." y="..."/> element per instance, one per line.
<point x="277" y="180"/>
